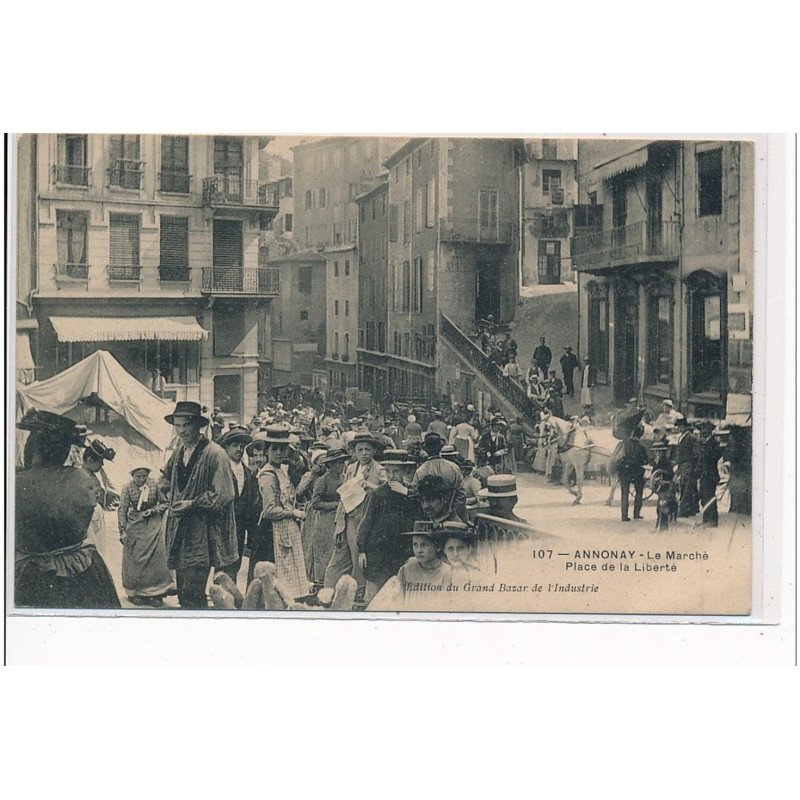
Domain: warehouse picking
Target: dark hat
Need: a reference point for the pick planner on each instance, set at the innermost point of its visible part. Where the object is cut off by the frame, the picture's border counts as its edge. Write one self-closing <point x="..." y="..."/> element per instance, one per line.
<point x="681" y="422"/>
<point x="397" y="458"/>
<point x="99" y="450"/>
<point x="53" y="425"/>
<point x="335" y="455"/>
<point x="499" y="486"/>
<point x="187" y="408"/>
<point x="432" y="436"/>
<point x="237" y="435"/>
<point x="432" y="486"/>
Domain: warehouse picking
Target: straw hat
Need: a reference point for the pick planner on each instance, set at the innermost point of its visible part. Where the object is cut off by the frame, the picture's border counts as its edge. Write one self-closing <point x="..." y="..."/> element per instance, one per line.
<point x="237" y="435"/>
<point x="499" y="486"/>
<point x="339" y="454"/>
<point x="397" y="458"/>
<point x="365" y="437"/>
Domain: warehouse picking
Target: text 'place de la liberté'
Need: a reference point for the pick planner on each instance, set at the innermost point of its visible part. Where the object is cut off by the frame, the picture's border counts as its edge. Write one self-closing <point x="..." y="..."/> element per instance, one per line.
<point x="268" y="374"/>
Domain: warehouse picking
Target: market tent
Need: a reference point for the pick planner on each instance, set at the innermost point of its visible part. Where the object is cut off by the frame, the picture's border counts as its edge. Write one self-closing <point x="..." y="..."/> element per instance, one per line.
<point x="137" y="430"/>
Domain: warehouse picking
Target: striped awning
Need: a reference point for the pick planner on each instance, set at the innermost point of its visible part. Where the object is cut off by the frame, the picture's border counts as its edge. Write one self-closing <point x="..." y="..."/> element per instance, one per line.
<point x="127" y="329"/>
<point x="625" y="162"/>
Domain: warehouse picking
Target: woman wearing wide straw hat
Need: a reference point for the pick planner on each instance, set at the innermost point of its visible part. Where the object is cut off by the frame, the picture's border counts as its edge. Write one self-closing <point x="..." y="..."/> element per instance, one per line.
<point x="277" y="498"/>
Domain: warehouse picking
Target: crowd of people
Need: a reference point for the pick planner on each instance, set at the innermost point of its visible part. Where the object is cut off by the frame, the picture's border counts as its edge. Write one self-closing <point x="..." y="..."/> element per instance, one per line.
<point x="370" y="500"/>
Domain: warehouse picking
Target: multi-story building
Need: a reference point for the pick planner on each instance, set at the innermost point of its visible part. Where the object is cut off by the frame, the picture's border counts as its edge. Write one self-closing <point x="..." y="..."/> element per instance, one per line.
<point x="373" y="285"/>
<point x="328" y="176"/>
<point x="299" y="320"/>
<point x="278" y="238"/>
<point x="549" y="191"/>
<point x="147" y="246"/>
<point x="453" y="256"/>
<point x="664" y="250"/>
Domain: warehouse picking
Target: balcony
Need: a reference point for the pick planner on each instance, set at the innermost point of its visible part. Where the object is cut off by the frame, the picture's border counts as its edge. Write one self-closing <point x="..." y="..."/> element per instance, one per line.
<point x="639" y="243"/>
<point x="126" y="173"/>
<point x="232" y="191"/>
<point x="174" y="182"/>
<point x="237" y="281"/>
<point x="71" y="174"/>
<point x="128" y="273"/>
<point x="471" y="231"/>
<point x="72" y="272"/>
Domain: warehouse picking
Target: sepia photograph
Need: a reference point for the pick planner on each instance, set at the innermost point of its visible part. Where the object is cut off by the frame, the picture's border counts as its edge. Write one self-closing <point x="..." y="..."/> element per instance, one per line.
<point x="265" y="374"/>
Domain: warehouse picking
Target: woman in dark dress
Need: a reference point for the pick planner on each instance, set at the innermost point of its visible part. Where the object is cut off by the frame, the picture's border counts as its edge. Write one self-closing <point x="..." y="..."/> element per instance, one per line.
<point x="55" y="565"/>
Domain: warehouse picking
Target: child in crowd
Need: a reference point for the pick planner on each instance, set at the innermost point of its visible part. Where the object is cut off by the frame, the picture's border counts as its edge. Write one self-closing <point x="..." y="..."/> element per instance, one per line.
<point x="459" y="550"/>
<point x="425" y="571"/>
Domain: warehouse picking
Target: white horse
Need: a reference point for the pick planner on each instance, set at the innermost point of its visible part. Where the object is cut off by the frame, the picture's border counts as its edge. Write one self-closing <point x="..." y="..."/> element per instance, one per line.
<point x="575" y="452"/>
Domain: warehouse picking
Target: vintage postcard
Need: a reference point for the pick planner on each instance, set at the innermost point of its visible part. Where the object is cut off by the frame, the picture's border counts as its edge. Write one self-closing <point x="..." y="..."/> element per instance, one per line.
<point x="262" y="374"/>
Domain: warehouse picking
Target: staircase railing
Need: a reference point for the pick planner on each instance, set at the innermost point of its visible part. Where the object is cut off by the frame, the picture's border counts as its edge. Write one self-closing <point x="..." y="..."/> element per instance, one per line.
<point x="509" y="388"/>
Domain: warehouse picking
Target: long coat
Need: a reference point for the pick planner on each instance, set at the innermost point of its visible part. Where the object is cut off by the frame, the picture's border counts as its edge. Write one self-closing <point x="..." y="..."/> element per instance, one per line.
<point x="204" y="536"/>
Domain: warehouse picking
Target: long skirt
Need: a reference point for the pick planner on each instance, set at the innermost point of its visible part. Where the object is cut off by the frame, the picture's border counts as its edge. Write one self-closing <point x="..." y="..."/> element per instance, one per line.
<point x="96" y="533"/>
<point x="289" y="562"/>
<point x="318" y="533"/>
<point x="586" y="397"/>
<point x="465" y="447"/>
<point x="91" y="588"/>
<point x="539" y="459"/>
<point x="144" y="559"/>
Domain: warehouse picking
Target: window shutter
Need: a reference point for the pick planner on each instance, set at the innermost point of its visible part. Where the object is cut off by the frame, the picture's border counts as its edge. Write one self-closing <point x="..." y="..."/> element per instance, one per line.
<point x="175" y="242"/>
<point x="227" y="243"/>
<point x="124" y="233"/>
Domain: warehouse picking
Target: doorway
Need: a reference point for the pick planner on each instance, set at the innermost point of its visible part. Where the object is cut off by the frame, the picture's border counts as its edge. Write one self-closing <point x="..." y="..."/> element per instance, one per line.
<point x="227" y="255"/>
<point x="626" y="323"/>
<point x="487" y="290"/>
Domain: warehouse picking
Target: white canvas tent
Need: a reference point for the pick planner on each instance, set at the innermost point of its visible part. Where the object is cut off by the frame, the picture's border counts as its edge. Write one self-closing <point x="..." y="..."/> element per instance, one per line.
<point x="136" y="430"/>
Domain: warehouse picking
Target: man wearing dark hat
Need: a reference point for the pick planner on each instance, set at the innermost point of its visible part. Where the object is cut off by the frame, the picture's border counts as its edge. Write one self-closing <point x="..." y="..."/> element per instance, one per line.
<point x="686" y="473"/>
<point x="55" y="564"/>
<point x="201" y="528"/>
<point x="708" y="456"/>
<point x="390" y="511"/>
<point x="630" y="468"/>
<point x="447" y="470"/>
<point x="569" y="363"/>
<point x="245" y="485"/>
<point x="435" y="498"/>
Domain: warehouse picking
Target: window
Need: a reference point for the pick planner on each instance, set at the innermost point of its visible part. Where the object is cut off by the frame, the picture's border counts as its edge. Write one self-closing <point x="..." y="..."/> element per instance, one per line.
<point x="416" y="287"/>
<point x="592" y="198"/>
<point x="227" y="393"/>
<point x="619" y="204"/>
<point x="382" y="337"/>
<point x="419" y="208"/>
<point x="346" y="353"/>
<point x="709" y="183"/>
<point x="406" y="221"/>
<point x="347" y="308"/>
<point x="374" y="209"/>
<point x="287" y="223"/>
<point x="73" y="162"/>
<point x="126" y="168"/>
<point x="551" y="179"/>
<point x="659" y="335"/>
<point x="178" y="362"/>
<point x="229" y="165"/>
<point x="346" y="267"/>
<point x="549" y="262"/>
<point x="549" y="150"/>
<point x="408" y="166"/>
<point x="406" y="286"/>
<point x="308" y="200"/>
<point x="71" y="230"/>
<point x="174" y="249"/>
<point x="174" y="175"/>
<point x="396" y="174"/>
<point x="393" y="223"/>
<point x="227" y="251"/>
<point x="304" y="315"/>
<point x="335" y="269"/>
<point x="124" y="246"/>
<point x="431" y="271"/>
<point x="228" y="328"/>
<point x="308" y="237"/>
<point x="336" y="344"/>
<point x="488" y="210"/>
<point x="323" y="197"/>
<point x="430" y="204"/>
<point x="304" y="275"/>
<point x="336" y="307"/>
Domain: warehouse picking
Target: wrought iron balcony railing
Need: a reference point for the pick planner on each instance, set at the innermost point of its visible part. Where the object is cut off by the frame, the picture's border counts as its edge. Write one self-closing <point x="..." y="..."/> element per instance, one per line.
<point x="175" y="182"/>
<point x="72" y="174"/>
<point x="463" y="230"/>
<point x="126" y="173"/>
<point x="72" y="272"/>
<point x="127" y="273"/>
<point x="241" y="281"/>
<point x="627" y="244"/>
<point x="232" y="190"/>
